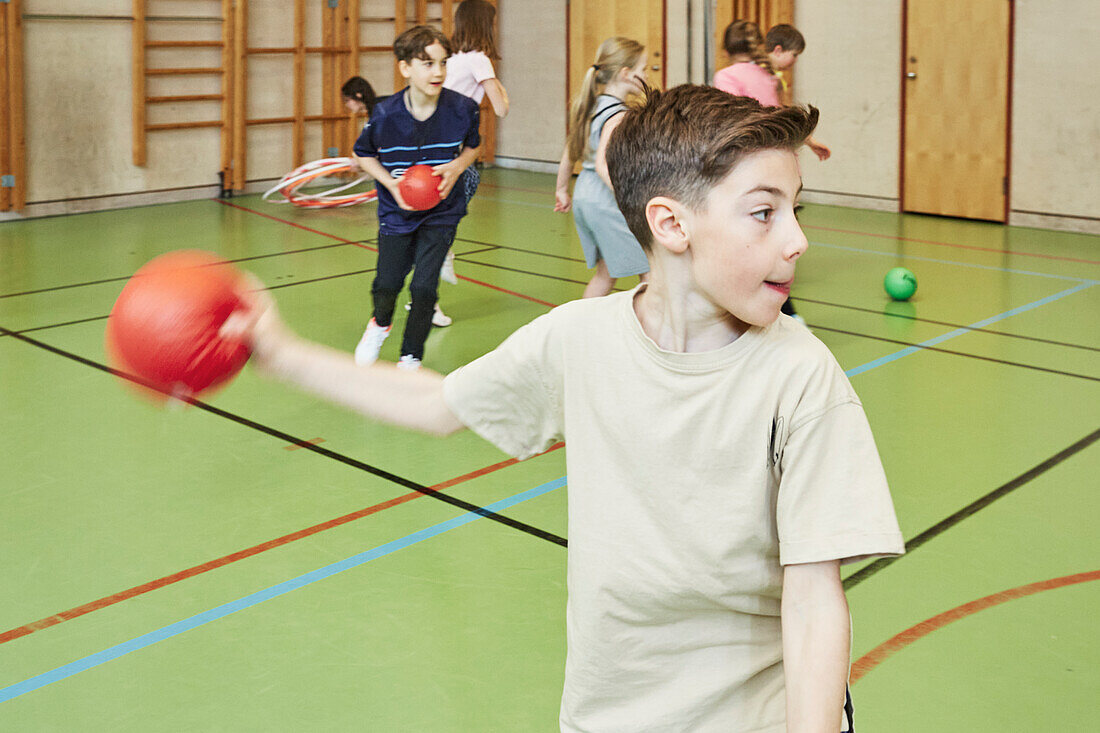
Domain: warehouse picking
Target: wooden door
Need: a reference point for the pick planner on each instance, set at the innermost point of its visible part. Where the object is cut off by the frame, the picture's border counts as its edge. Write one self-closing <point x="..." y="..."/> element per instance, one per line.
<point x="955" y="108"/>
<point x="593" y="21"/>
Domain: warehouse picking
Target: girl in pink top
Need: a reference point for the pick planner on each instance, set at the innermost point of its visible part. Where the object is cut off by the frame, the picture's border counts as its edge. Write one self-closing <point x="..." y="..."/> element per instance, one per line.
<point x="752" y="71"/>
<point x="750" y="74"/>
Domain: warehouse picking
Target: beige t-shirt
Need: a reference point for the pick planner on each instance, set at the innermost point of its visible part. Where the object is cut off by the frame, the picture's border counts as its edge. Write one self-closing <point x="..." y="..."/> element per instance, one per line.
<point x="692" y="479"/>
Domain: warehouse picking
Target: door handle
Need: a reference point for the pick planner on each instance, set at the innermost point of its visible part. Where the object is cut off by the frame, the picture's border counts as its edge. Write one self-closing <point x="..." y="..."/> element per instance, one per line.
<point x="911" y="75"/>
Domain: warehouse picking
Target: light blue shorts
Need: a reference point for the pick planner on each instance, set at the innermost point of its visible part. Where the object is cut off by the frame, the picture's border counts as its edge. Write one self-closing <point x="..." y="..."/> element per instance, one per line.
<point x="602" y="229"/>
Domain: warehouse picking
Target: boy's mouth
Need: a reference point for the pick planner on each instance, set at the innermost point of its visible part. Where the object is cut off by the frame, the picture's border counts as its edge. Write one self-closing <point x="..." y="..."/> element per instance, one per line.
<point x="783" y="287"/>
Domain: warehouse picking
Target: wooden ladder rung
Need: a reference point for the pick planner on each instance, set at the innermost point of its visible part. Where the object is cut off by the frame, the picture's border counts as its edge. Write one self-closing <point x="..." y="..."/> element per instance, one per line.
<point x="184" y="72"/>
<point x="183" y="44"/>
<point x="185" y="98"/>
<point x="292" y="49"/>
<point x="287" y="120"/>
<point x="183" y="125"/>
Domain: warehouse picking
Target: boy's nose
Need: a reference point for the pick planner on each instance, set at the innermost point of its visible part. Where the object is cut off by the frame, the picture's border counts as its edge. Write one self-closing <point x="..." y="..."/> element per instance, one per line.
<point x="798" y="245"/>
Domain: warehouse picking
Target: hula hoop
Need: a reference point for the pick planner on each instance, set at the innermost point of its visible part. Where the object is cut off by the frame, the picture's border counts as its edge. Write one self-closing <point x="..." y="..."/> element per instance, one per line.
<point x="289" y="184"/>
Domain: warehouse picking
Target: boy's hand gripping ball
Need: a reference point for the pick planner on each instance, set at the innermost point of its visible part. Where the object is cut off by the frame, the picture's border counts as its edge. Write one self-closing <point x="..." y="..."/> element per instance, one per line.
<point x="420" y="187"/>
<point x="164" y="326"/>
<point x="900" y="283"/>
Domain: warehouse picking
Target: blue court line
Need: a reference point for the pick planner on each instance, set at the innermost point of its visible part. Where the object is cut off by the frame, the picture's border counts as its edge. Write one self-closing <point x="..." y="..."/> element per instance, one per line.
<point x="965" y="330"/>
<point x="179" y="627"/>
<point x="918" y="258"/>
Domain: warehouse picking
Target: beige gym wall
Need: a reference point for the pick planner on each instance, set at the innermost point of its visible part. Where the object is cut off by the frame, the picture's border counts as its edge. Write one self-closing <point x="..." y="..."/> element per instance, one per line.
<point x="851" y="68"/>
<point x="1056" y="115"/>
<point x="78" y="101"/>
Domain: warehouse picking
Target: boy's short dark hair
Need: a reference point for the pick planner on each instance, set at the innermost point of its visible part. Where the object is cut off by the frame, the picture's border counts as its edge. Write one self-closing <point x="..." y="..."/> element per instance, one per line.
<point x="683" y="142"/>
<point x="411" y="44"/>
<point x="787" y="37"/>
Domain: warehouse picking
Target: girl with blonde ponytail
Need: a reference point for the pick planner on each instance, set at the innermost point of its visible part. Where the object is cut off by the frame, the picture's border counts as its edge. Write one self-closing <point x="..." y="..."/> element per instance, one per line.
<point x="608" y="245"/>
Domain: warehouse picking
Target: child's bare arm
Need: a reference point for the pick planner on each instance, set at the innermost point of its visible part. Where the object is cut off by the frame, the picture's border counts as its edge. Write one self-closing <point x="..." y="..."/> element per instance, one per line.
<point x="816" y="646"/>
<point x="411" y="399"/>
<point x="562" y="200"/>
<point x="498" y="96"/>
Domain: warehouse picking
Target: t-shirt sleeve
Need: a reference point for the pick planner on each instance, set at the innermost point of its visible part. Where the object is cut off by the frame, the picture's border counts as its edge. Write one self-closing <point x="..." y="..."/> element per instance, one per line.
<point x="365" y="146"/>
<point x="508" y="396"/>
<point x="481" y="67"/>
<point x="473" y="132"/>
<point x="834" y="503"/>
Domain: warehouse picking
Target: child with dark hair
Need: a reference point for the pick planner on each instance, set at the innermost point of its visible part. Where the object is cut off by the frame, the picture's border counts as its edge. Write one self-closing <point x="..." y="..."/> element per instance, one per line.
<point x="721" y="467"/>
<point x="423" y="123"/>
<point x="358" y="95"/>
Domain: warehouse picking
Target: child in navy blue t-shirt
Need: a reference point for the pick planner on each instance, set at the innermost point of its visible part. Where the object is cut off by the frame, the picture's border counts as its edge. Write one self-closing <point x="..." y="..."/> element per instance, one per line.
<point x="423" y="123"/>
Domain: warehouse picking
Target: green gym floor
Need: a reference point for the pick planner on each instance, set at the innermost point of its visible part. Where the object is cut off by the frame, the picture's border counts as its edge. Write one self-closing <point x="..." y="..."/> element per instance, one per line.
<point x="263" y="562"/>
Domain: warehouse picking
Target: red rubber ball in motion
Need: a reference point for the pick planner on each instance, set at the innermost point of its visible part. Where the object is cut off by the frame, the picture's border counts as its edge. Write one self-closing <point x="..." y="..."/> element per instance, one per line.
<point x="164" y="326"/>
<point x="420" y="187"/>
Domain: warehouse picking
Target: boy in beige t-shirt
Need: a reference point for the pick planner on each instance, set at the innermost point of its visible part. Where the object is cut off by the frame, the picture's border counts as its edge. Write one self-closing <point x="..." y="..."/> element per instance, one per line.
<point x="721" y="467"/>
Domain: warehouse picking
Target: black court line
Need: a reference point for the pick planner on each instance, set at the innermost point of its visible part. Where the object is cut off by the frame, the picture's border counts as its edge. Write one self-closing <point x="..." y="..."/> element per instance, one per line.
<point x="842" y="305"/>
<point x="483" y="250"/>
<point x="459" y="258"/>
<point x="937" y="349"/>
<point x="1004" y="362"/>
<point x="127" y="277"/>
<point x="521" y="249"/>
<point x="288" y="438"/>
<point x="5" y="332"/>
<point x="973" y="508"/>
<point x="946" y="323"/>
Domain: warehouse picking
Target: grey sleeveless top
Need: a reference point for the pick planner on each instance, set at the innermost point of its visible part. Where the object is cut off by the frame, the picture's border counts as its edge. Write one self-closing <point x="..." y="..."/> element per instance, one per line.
<point x="605" y="108"/>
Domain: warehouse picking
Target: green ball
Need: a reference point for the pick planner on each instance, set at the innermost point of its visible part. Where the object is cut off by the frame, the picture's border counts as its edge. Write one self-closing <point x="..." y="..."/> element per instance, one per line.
<point x="900" y="283"/>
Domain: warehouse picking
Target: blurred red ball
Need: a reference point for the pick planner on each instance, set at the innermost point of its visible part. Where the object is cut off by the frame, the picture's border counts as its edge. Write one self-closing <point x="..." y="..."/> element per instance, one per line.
<point x="420" y="187"/>
<point x="164" y="326"/>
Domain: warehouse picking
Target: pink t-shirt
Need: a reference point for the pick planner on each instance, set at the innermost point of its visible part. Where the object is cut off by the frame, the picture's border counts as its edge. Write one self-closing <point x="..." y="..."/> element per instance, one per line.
<point x="746" y="79"/>
<point x="465" y="72"/>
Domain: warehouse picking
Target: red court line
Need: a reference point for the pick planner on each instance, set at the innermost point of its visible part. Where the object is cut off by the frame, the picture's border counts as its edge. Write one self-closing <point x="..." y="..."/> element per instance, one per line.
<point x="510" y="292"/>
<point x="874" y="234"/>
<point x="876" y="656"/>
<point x="303" y="444"/>
<point x="949" y="244"/>
<point x="205" y="567"/>
<point x="514" y="188"/>
<point x="293" y="224"/>
<point x="372" y="249"/>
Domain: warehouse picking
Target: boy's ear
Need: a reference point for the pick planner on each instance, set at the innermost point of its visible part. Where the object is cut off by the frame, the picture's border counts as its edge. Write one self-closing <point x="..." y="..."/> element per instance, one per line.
<point x="405" y="69"/>
<point x="777" y="50"/>
<point x="668" y="223"/>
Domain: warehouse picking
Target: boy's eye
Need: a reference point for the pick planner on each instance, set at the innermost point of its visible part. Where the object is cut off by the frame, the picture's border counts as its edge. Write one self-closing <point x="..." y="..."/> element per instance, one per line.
<point x="763" y="215"/>
<point x="798" y="210"/>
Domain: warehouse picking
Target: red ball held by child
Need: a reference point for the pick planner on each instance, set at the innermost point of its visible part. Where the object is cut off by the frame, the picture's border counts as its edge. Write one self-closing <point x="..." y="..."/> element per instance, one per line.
<point x="164" y="327"/>
<point x="420" y="187"/>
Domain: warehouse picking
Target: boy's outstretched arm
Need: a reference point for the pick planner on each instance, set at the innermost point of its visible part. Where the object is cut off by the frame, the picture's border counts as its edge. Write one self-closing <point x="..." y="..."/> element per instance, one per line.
<point x="816" y="646"/>
<point x="411" y="399"/>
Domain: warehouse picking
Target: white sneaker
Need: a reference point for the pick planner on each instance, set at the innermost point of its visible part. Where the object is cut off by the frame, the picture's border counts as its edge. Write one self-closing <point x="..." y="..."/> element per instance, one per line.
<point x="409" y="363"/>
<point x="366" y="352"/>
<point x="447" y="272"/>
<point x="439" y="318"/>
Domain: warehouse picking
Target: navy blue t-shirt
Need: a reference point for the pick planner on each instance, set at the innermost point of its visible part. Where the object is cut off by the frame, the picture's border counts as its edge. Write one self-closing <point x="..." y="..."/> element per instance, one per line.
<point x="398" y="140"/>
